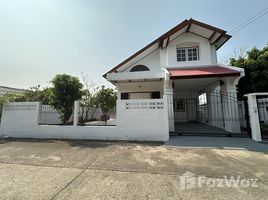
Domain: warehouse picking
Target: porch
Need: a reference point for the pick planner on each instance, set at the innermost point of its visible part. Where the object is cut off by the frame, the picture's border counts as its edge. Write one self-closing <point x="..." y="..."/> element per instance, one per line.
<point x="207" y="104"/>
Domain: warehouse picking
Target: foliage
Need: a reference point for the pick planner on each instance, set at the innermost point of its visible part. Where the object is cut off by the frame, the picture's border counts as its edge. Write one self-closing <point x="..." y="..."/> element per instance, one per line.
<point x="264" y="126"/>
<point x="11" y="97"/>
<point x="66" y="89"/>
<point x="256" y="71"/>
<point x="35" y="94"/>
<point x="88" y="101"/>
<point x="106" y="99"/>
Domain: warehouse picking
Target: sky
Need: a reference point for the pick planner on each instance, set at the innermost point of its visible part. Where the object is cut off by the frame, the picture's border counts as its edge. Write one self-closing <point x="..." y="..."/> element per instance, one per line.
<point x="42" y="38"/>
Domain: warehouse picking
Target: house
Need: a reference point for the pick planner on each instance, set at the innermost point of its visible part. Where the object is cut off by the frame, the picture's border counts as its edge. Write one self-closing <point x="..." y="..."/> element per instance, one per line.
<point x="181" y="67"/>
<point x="10" y="90"/>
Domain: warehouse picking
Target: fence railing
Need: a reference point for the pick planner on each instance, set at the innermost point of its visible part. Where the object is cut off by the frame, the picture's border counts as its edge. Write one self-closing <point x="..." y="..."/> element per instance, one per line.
<point x="50" y="116"/>
<point x="95" y="117"/>
<point x="262" y="103"/>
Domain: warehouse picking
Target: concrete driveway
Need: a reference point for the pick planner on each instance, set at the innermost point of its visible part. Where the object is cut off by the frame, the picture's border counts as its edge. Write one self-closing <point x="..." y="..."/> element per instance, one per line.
<point x="51" y="169"/>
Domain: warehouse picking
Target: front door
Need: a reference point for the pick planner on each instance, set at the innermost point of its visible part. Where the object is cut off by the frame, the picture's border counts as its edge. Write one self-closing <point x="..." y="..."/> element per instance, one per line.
<point x="191" y="110"/>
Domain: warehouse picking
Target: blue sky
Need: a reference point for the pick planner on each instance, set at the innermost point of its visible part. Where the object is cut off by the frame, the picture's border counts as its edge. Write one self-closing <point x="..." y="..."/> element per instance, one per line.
<point x="41" y="38"/>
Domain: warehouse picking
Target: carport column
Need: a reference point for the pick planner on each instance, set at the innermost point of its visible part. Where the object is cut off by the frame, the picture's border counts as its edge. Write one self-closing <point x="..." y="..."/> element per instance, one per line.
<point x="76" y="112"/>
<point x="230" y="105"/>
<point x="168" y="96"/>
<point x="254" y="117"/>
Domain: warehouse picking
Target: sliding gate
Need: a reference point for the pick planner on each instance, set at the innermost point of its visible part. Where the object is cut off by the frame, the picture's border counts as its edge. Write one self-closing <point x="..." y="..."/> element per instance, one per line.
<point x="262" y="103"/>
<point x="209" y="113"/>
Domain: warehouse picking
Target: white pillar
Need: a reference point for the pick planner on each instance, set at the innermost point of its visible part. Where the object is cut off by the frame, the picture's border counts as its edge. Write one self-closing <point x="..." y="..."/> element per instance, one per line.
<point x="254" y="117"/>
<point x="76" y="112"/>
<point x="168" y="96"/>
<point x="230" y="105"/>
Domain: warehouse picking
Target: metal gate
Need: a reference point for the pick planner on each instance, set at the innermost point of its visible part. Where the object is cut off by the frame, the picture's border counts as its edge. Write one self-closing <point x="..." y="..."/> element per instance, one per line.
<point x="200" y="112"/>
<point x="262" y="103"/>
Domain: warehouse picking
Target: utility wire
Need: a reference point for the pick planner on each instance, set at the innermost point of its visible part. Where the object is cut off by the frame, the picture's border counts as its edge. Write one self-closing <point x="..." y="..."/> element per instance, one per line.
<point x="249" y="21"/>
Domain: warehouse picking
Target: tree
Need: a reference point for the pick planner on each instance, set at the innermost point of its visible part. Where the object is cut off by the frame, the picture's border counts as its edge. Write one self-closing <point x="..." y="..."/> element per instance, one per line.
<point x="7" y="98"/>
<point x="256" y="71"/>
<point x="66" y="89"/>
<point x="88" y="101"/>
<point x="106" y="99"/>
<point x="36" y="94"/>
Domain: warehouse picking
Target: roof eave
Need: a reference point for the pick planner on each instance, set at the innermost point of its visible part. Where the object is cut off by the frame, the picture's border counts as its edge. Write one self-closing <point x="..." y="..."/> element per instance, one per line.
<point x="167" y="34"/>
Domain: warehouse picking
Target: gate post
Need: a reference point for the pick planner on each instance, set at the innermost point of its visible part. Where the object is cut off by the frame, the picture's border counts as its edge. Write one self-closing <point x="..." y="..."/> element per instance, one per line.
<point x="230" y="105"/>
<point x="254" y="117"/>
<point x="76" y="113"/>
<point x="168" y="96"/>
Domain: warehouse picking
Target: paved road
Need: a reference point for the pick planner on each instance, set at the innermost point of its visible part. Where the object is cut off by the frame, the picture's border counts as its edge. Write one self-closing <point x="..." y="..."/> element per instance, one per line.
<point x="115" y="170"/>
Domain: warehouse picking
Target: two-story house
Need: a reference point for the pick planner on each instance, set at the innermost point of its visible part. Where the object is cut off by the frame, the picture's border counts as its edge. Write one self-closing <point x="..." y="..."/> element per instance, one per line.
<point x="181" y="67"/>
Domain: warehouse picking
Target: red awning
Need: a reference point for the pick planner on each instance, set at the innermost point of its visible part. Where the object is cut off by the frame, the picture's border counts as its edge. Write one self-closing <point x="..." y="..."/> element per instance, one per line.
<point x="204" y="72"/>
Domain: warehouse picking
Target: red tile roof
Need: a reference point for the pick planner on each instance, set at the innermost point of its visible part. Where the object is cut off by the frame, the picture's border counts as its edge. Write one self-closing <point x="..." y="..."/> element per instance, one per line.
<point x="204" y="72"/>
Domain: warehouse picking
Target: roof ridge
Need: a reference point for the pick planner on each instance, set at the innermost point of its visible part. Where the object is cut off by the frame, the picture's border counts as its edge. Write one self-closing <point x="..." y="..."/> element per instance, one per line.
<point x="167" y="34"/>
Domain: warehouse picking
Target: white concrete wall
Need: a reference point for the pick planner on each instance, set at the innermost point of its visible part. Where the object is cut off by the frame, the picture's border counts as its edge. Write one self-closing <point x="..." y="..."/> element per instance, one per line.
<point x="144" y="120"/>
<point x="254" y="117"/>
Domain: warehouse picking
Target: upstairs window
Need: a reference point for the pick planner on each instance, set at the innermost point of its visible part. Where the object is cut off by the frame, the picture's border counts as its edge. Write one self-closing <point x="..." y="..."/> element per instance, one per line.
<point x="187" y="54"/>
<point x="181" y="54"/>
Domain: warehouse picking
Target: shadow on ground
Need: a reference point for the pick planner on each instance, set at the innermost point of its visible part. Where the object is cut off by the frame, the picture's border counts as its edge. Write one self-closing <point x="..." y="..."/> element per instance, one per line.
<point x="217" y="142"/>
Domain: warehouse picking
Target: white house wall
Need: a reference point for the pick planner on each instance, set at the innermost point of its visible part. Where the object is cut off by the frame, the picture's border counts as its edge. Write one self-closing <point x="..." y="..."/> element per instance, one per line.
<point x="206" y="53"/>
<point x="152" y="61"/>
<point x="167" y="57"/>
<point x="137" y="87"/>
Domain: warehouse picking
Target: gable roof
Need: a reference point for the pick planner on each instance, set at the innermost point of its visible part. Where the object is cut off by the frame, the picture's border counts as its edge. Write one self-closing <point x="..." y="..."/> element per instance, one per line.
<point x="4" y="90"/>
<point x="215" y="35"/>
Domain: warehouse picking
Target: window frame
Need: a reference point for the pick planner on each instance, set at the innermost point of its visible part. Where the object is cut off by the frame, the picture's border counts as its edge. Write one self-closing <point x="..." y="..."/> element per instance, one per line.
<point x="124" y="96"/>
<point x="155" y="95"/>
<point x="183" y="105"/>
<point x="187" y="53"/>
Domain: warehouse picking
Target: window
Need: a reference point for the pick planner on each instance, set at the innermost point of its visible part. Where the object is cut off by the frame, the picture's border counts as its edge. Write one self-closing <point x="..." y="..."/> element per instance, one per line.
<point x="181" y="55"/>
<point x="202" y="99"/>
<point x="139" y="68"/>
<point x="155" y="95"/>
<point x="124" y="95"/>
<point x="192" y="54"/>
<point x="140" y="95"/>
<point x="179" y="105"/>
<point x="187" y="54"/>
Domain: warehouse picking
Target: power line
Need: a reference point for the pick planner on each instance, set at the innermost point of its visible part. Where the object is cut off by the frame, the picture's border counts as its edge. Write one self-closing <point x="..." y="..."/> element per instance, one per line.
<point x="249" y="21"/>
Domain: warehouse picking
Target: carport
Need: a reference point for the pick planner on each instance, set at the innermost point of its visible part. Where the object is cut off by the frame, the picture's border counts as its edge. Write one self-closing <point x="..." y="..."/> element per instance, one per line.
<point x="205" y="100"/>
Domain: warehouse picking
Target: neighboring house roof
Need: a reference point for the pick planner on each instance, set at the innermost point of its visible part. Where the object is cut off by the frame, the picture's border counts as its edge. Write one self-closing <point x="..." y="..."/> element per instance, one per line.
<point x="215" y="35"/>
<point x="212" y="71"/>
<point x="4" y="90"/>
